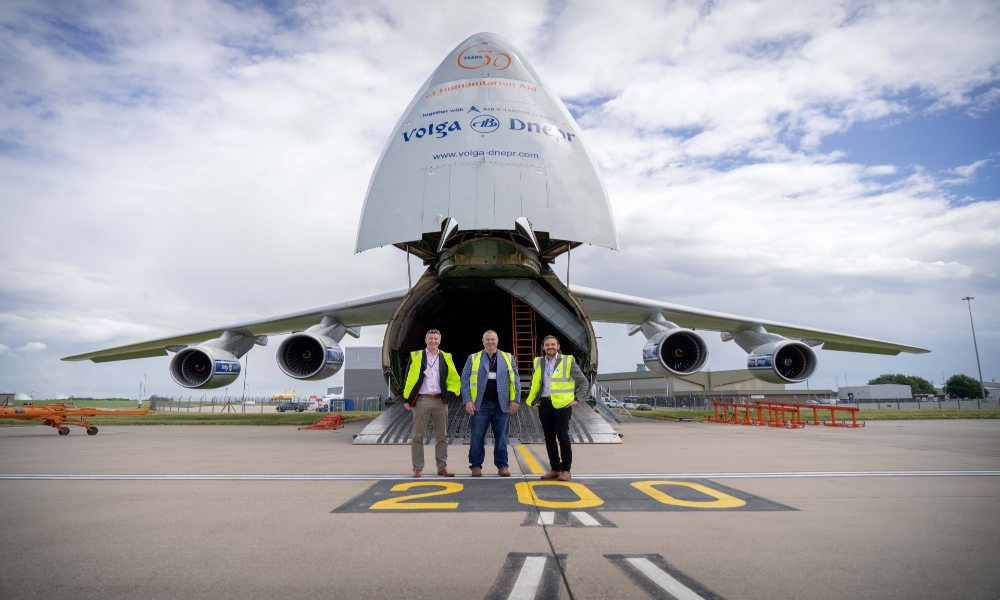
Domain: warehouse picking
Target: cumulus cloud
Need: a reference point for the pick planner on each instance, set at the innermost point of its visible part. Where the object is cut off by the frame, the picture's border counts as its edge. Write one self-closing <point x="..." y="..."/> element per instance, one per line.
<point x="170" y="167"/>
<point x="32" y="347"/>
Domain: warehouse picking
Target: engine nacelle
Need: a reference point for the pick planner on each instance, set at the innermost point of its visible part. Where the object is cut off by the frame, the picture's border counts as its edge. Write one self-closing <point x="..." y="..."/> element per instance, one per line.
<point x="204" y="367"/>
<point x="785" y="361"/>
<point x="675" y="352"/>
<point x="310" y="356"/>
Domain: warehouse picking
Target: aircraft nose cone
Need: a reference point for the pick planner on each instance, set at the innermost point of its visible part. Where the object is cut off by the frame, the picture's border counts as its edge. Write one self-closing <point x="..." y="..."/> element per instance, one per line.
<point x="484" y="55"/>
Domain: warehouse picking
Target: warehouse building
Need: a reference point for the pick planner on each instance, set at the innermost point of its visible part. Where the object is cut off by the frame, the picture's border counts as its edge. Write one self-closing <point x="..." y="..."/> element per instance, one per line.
<point x="701" y="388"/>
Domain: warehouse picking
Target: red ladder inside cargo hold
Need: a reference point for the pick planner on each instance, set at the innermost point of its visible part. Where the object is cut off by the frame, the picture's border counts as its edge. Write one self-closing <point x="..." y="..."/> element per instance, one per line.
<point x="523" y="326"/>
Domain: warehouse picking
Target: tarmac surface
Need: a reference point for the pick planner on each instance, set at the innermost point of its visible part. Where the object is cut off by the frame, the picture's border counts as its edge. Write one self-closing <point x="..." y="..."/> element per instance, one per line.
<point x="904" y="509"/>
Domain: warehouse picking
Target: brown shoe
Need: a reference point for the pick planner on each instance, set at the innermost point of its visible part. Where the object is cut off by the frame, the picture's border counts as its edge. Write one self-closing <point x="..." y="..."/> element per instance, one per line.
<point x="551" y="475"/>
<point x="416" y="471"/>
<point x="477" y="472"/>
<point x="444" y="472"/>
<point x="564" y="476"/>
<point x="503" y="472"/>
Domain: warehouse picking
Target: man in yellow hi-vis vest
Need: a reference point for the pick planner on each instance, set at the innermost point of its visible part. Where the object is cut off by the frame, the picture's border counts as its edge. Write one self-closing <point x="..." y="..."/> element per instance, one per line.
<point x="491" y="389"/>
<point x="558" y="384"/>
<point x="431" y="381"/>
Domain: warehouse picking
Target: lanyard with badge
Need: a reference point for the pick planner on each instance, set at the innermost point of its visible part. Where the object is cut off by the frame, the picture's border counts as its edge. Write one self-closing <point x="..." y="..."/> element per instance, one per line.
<point x="431" y="365"/>
<point x="493" y="365"/>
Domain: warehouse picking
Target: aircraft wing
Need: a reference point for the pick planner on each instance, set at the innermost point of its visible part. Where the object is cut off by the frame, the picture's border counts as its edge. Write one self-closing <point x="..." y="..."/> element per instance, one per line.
<point x="370" y="310"/>
<point x="612" y="307"/>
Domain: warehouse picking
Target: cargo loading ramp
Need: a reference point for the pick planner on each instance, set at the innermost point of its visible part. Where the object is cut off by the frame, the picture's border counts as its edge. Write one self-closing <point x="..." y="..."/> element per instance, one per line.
<point x="395" y="426"/>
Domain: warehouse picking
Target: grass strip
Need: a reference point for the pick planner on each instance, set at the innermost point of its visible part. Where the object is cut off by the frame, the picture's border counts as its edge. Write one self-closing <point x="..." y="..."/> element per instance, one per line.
<point x="885" y="414"/>
<point x="185" y="418"/>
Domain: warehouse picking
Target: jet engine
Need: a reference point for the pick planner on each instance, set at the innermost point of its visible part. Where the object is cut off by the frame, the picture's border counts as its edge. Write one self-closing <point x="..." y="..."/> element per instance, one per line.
<point x="310" y="356"/>
<point x="675" y="352"/>
<point x="204" y="367"/>
<point x="783" y="361"/>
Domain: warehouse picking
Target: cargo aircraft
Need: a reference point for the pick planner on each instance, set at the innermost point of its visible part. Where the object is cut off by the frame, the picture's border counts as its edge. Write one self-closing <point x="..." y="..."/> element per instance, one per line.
<point x="486" y="179"/>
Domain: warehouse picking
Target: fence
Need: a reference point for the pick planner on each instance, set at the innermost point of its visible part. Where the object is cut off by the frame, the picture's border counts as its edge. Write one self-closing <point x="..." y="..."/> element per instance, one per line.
<point x="239" y="404"/>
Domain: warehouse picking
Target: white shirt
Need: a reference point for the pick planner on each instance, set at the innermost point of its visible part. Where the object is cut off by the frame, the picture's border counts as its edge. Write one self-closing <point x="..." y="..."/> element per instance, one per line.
<point x="432" y="376"/>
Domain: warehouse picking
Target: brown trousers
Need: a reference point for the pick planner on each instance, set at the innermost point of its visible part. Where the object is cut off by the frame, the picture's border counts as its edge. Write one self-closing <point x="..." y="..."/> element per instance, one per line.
<point x="437" y="411"/>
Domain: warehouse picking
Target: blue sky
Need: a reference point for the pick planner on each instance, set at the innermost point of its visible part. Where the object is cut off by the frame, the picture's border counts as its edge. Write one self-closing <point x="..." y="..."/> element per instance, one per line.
<point x="831" y="164"/>
<point x="938" y="141"/>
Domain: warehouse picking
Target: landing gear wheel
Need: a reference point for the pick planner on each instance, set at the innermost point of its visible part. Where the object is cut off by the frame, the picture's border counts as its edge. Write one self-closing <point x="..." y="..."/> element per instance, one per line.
<point x="64" y="430"/>
<point x="92" y="430"/>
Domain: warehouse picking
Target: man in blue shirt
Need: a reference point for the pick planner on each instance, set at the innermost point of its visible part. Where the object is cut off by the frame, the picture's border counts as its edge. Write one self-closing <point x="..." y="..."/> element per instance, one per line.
<point x="491" y="389"/>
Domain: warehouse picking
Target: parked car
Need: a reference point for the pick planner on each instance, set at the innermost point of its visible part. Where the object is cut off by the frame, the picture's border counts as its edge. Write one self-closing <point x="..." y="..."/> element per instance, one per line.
<point x="643" y="407"/>
<point x="613" y="403"/>
<point x="293" y="405"/>
<point x="629" y="406"/>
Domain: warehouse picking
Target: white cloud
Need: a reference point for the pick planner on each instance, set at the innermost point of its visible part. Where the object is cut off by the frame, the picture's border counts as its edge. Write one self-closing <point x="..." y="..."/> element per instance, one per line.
<point x="202" y="164"/>
<point x="968" y="171"/>
<point x="32" y="347"/>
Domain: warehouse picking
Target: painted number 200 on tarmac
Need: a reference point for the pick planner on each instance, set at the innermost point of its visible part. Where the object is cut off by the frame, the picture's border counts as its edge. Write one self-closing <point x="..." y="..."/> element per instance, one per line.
<point x="495" y="495"/>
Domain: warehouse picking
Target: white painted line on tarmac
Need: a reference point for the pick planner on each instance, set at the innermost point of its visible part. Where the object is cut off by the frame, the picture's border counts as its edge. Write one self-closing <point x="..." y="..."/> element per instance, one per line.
<point x="585" y="519"/>
<point x="526" y="576"/>
<point x="213" y="477"/>
<point x="371" y="477"/>
<point x="663" y="580"/>
<point x="528" y="579"/>
<point x="789" y="474"/>
<point x="658" y="578"/>
<point x="546" y="517"/>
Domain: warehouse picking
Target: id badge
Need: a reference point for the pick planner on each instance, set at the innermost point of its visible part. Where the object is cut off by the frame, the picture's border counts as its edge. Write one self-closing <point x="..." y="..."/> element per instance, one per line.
<point x="492" y="375"/>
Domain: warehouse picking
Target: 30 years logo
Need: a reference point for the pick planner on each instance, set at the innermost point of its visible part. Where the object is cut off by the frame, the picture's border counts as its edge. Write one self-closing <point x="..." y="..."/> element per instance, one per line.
<point x="477" y="57"/>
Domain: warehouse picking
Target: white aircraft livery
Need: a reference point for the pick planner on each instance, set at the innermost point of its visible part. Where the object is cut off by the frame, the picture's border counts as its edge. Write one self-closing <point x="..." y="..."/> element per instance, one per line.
<point x="486" y="178"/>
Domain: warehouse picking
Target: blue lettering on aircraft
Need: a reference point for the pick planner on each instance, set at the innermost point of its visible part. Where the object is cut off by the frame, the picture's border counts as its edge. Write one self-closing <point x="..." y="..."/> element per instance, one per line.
<point x="485" y="124"/>
<point x="439" y="130"/>
<point x="227" y="366"/>
<point x="335" y="355"/>
<point x="551" y="131"/>
<point x="762" y="361"/>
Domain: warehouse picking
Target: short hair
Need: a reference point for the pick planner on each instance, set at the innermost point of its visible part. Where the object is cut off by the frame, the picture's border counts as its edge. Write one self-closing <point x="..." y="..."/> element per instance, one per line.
<point x="541" y="347"/>
<point x="430" y="331"/>
<point x="491" y="331"/>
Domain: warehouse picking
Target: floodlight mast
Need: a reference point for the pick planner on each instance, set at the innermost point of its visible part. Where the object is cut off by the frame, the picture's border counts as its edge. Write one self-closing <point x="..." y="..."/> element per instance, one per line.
<point x="982" y="388"/>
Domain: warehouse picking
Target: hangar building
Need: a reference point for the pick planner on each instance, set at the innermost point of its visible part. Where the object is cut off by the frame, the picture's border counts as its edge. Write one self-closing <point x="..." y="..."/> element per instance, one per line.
<point x="700" y="388"/>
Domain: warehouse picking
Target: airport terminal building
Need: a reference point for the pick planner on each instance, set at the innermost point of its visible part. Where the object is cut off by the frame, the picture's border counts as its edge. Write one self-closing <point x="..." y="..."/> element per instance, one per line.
<point x="700" y="389"/>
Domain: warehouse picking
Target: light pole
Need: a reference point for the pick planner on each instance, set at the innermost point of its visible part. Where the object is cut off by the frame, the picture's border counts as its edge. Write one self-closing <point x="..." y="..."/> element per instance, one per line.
<point x="982" y="388"/>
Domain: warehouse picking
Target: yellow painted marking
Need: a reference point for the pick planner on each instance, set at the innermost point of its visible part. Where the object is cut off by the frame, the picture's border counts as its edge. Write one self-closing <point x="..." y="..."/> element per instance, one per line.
<point x="530" y="460"/>
<point x="585" y="497"/>
<point x="447" y="487"/>
<point x="722" y="500"/>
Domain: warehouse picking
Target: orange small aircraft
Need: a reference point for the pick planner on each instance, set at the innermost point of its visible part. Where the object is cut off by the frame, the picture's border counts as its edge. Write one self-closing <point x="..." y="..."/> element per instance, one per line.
<point x="62" y="414"/>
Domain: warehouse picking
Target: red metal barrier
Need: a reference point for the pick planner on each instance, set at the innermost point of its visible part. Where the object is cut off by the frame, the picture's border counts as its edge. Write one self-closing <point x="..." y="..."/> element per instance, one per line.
<point x="815" y="410"/>
<point x="780" y="414"/>
<point x="327" y="422"/>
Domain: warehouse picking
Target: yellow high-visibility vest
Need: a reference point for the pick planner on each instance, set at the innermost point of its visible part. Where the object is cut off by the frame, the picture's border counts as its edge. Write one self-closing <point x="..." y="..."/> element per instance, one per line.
<point x="453" y="383"/>
<point x="561" y="386"/>
<point x="474" y="377"/>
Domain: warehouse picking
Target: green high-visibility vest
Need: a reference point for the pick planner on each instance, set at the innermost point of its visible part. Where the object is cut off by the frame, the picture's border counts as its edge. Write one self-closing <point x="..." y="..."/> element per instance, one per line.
<point x="474" y="378"/>
<point x="453" y="383"/>
<point x="561" y="386"/>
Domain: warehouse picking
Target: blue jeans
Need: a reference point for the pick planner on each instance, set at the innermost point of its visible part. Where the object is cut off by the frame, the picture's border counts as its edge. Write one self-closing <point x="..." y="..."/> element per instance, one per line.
<point x="488" y="415"/>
